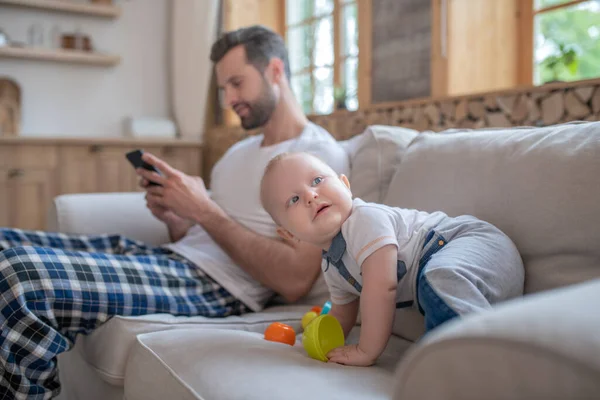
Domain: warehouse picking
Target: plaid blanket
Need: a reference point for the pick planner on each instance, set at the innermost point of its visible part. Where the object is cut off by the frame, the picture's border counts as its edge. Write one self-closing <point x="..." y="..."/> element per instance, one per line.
<point x="54" y="286"/>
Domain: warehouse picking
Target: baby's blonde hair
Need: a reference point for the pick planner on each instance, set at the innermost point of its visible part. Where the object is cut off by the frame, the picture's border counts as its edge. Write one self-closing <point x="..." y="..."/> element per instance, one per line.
<point x="268" y="169"/>
<point x="273" y="163"/>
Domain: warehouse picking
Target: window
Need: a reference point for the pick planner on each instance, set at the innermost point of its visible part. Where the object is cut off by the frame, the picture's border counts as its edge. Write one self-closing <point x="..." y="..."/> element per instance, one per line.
<point x="322" y="40"/>
<point x="566" y="40"/>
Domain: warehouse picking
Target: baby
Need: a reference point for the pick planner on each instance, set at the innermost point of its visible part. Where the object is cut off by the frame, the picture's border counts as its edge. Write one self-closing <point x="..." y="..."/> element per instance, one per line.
<point x="382" y="258"/>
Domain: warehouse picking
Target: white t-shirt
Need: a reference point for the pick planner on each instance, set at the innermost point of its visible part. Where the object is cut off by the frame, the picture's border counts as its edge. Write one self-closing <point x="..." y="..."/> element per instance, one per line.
<point x="370" y="227"/>
<point x="235" y="187"/>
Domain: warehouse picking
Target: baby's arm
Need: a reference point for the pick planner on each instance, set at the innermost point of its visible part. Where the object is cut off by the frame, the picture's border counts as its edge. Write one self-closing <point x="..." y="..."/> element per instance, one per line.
<point x="346" y="314"/>
<point x="377" y="306"/>
<point x="378" y="300"/>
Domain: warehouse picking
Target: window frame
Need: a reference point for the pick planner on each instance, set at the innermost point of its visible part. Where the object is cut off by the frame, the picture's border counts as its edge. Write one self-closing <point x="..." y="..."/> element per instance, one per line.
<point x="527" y="14"/>
<point x="363" y="38"/>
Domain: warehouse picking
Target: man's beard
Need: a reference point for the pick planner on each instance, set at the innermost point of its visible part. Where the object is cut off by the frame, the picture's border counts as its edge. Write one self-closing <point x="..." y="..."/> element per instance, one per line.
<point x="260" y="111"/>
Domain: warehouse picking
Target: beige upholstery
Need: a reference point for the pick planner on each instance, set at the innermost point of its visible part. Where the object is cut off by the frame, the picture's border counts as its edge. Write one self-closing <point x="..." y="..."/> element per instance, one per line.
<point x="211" y="364"/>
<point x="546" y="346"/>
<point x="374" y="156"/>
<point x="107" y="348"/>
<point x="539" y="185"/>
<point x="123" y="213"/>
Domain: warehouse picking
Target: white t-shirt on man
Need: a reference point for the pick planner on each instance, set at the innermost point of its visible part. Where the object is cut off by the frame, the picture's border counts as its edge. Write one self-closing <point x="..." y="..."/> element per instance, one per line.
<point x="235" y="187"/>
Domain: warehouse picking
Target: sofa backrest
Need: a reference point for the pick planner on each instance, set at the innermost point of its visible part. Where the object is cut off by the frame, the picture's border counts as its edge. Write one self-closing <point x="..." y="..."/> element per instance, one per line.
<point x="541" y="186"/>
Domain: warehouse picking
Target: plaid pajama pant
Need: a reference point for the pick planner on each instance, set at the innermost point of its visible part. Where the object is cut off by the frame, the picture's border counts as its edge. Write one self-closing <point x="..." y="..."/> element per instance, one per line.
<point x="54" y="286"/>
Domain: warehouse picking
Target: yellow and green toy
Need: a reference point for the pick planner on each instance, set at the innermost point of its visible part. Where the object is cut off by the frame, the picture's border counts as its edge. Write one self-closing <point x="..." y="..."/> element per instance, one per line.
<point x="322" y="332"/>
<point x="321" y="336"/>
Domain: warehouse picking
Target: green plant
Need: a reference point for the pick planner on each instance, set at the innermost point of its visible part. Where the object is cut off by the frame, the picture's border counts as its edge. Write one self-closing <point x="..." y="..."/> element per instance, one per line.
<point x="566" y="60"/>
<point x="339" y="96"/>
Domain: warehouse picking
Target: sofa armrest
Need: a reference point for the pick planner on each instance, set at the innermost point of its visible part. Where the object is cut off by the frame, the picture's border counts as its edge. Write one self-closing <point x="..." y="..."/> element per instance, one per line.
<point x="98" y="213"/>
<point x="544" y="346"/>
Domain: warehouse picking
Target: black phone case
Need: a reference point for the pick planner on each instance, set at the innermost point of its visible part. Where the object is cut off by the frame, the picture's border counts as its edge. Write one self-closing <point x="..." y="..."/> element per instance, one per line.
<point x="135" y="158"/>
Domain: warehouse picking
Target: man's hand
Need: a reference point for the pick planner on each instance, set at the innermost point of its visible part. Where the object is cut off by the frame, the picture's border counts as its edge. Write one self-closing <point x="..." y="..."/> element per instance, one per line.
<point x="179" y="193"/>
<point x="351" y="355"/>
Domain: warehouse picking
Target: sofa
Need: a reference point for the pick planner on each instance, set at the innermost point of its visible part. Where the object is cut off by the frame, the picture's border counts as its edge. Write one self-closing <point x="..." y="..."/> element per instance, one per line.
<point x="539" y="185"/>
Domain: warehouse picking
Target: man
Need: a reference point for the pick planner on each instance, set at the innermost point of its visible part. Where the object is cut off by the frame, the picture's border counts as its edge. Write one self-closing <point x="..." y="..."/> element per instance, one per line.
<point x="224" y="258"/>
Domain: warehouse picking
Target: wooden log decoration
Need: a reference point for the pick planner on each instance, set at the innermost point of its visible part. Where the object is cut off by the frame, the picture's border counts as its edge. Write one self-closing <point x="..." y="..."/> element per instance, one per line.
<point x="407" y="113"/>
<point x="521" y="109"/>
<point x="534" y="115"/>
<point x="462" y="110"/>
<point x="498" y="120"/>
<point x="447" y="108"/>
<point x="449" y="124"/>
<point x="553" y="108"/>
<point x="584" y="93"/>
<point x="575" y="107"/>
<point x="596" y="101"/>
<point x="507" y="103"/>
<point x="480" y="123"/>
<point x="397" y="115"/>
<point x="535" y="96"/>
<point x="420" y="121"/>
<point x="476" y="109"/>
<point x="490" y="102"/>
<point x="466" y="124"/>
<point x="432" y="112"/>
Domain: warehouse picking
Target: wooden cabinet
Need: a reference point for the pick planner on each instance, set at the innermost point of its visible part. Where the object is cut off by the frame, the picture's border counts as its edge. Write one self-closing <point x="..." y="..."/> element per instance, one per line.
<point x="29" y="192"/>
<point x="27" y="185"/>
<point x="34" y="171"/>
<point x="113" y="172"/>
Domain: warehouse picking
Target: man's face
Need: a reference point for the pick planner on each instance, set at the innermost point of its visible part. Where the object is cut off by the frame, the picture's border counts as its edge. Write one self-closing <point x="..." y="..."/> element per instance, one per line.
<point x="247" y="91"/>
<point x="308" y="199"/>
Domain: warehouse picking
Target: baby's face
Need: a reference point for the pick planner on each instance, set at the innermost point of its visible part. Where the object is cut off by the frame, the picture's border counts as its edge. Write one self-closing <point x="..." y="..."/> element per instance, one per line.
<point x="308" y="199"/>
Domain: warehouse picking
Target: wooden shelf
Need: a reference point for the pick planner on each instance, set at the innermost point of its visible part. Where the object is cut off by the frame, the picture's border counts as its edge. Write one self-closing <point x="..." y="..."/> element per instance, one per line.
<point x="91" y="9"/>
<point x="59" y="55"/>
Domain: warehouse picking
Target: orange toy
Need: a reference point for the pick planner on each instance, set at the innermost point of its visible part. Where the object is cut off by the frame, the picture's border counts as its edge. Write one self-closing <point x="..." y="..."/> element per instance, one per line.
<point x="317" y="309"/>
<point x="282" y="333"/>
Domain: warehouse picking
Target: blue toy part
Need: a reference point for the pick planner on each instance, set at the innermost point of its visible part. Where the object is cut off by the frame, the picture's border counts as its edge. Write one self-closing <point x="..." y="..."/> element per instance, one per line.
<point x="326" y="308"/>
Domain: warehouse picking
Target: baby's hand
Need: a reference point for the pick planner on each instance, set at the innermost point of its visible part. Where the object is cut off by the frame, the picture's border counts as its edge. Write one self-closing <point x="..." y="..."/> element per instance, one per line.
<point x="351" y="355"/>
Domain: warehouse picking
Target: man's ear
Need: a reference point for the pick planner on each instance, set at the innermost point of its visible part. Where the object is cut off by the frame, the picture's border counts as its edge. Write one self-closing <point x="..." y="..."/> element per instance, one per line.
<point x="345" y="180"/>
<point x="285" y="234"/>
<point x="278" y="69"/>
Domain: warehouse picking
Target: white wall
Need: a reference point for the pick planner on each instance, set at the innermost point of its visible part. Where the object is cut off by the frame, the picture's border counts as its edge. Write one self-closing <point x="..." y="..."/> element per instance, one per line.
<point x="78" y="100"/>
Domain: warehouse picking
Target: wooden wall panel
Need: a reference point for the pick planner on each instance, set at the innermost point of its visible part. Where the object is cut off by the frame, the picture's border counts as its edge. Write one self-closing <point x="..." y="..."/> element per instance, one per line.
<point x="240" y="13"/>
<point x="482" y="46"/>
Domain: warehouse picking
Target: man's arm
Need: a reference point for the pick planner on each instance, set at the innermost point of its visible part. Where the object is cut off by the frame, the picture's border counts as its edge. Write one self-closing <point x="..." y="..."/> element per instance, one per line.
<point x="177" y="230"/>
<point x="286" y="267"/>
<point x="289" y="268"/>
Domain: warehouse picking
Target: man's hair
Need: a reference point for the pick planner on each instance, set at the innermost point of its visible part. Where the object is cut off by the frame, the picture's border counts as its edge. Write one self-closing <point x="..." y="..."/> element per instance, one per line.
<point x="261" y="45"/>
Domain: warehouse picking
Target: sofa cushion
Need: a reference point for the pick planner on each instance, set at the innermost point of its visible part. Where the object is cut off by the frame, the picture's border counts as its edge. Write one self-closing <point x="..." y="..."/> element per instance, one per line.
<point x="374" y="155"/>
<point x="541" y="186"/>
<point x="215" y="364"/>
<point x="106" y="349"/>
<point x="544" y="346"/>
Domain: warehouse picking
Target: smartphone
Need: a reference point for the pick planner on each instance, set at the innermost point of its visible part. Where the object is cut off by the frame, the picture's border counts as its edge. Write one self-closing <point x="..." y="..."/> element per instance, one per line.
<point x="135" y="158"/>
